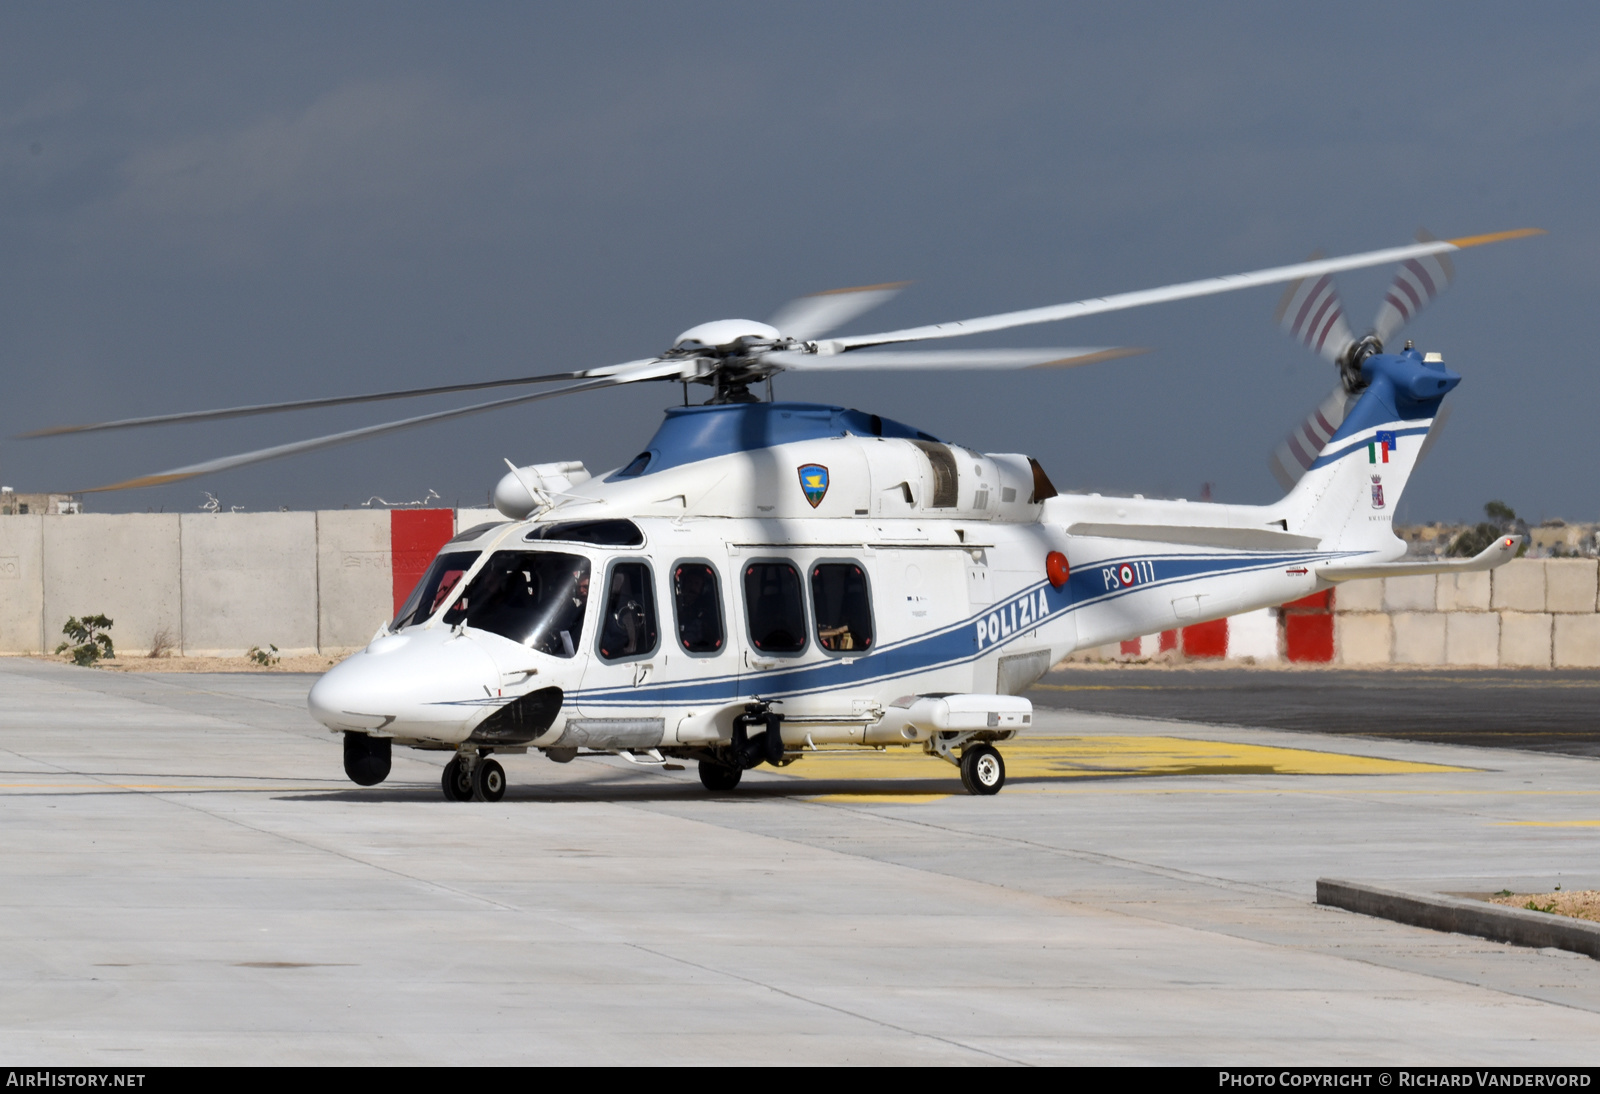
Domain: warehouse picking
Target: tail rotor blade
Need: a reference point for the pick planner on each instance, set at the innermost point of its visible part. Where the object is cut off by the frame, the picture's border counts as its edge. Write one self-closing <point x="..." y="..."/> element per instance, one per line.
<point x="1314" y="316"/>
<point x="1299" y="450"/>
<point x="1417" y="283"/>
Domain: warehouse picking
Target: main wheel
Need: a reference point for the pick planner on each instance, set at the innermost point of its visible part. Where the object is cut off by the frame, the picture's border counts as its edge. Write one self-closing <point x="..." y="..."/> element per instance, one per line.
<point x="982" y="770"/>
<point x="489" y="781"/>
<point x="366" y="759"/>
<point x="456" y="783"/>
<point x="718" y="777"/>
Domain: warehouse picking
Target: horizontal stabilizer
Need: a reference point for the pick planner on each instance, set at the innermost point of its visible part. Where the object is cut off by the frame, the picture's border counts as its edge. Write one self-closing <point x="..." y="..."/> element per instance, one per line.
<point x="1498" y="553"/>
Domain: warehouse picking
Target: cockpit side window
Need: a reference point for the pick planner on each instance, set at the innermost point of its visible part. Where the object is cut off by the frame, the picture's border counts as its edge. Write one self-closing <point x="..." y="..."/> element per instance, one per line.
<point x="628" y="627"/>
<point x="843" y="607"/>
<point x="434" y="588"/>
<point x="536" y="598"/>
<point x="698" y="600"/>
<point x="774" y="607"/>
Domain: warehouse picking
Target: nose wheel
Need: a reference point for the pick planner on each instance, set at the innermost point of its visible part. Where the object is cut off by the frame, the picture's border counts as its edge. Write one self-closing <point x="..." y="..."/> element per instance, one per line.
<point x="484" y="780"/>
<point x="489" y="781"/>
<point x="457" y="782"/>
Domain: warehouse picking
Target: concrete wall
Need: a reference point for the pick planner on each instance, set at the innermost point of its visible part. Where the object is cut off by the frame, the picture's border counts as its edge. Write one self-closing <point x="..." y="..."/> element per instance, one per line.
<point x="21" y="582"/>
<point x="249" y="579"/>
<point x="124" y="566"/>
<point x="353" y="576"/>
<point x="1529" y="613"/>
<point x="216" y="583"/>
<point x="219" y="583"/>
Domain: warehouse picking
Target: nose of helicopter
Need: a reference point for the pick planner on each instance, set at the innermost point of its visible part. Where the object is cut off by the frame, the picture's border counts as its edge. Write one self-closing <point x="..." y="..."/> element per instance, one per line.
<point x="429" y="684"/>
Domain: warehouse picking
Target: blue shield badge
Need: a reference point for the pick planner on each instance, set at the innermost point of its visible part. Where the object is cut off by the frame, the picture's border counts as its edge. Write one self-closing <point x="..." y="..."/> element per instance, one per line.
<point x="814" y="483"/>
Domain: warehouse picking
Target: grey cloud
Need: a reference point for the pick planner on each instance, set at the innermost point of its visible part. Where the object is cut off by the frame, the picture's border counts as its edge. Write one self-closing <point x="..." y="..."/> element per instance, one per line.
<point x="370" y="153"/>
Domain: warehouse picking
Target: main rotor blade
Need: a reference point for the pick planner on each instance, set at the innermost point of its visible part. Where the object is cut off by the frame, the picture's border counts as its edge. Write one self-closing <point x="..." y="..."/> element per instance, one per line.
<point x="650" y="369"/>
<point x="1312" y="314"/>
<point x="299" y="404"/>
<point x="951" y="359"/>
<point x="1417" y="283"/>
<point x="1184" y="291"/>
<point x="815" y="315"/>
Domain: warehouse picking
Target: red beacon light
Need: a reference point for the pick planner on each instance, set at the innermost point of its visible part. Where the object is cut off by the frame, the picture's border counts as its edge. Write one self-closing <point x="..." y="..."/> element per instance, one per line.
<point x="1056" y="568"/>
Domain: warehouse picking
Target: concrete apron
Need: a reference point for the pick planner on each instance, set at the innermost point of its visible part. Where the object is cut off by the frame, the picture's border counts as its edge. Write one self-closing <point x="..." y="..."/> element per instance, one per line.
<point x="188" y="878"/>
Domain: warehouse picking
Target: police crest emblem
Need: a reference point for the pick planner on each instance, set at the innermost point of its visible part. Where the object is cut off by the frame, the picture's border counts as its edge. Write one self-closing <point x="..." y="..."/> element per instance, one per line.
<point x="814" y="483"/>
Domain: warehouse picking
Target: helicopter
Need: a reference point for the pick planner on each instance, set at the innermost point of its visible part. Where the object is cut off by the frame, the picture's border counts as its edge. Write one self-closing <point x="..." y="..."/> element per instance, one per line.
<point x="767" y="579"/>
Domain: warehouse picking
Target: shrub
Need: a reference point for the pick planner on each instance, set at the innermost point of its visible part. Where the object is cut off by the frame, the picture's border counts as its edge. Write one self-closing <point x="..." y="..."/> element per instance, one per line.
<point x="1502" y="521"/>
<point x="162" y="643"/>
<point x="264" y="657"/>
<point x="89" y="640"/>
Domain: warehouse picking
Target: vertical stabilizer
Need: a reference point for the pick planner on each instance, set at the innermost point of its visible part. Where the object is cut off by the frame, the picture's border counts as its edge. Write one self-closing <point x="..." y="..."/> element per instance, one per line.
<point x="1348" y="496"/>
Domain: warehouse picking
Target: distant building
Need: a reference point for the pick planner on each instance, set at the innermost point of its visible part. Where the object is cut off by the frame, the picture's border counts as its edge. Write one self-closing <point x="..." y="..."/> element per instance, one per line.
<point x="55" y="505"/>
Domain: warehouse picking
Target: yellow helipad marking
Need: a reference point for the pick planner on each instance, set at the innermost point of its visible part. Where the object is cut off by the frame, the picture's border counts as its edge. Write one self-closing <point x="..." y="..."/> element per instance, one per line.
<point x="1104" y="757"/>
<point x="1549" y="824"/>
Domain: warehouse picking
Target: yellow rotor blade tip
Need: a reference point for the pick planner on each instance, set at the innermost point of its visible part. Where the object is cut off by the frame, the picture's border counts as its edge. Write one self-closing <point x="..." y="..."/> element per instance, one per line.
<point x="1495" y="237"/>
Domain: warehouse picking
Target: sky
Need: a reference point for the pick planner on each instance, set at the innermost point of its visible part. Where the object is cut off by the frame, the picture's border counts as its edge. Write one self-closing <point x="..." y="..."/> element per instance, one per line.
<point x="207" y="205"/>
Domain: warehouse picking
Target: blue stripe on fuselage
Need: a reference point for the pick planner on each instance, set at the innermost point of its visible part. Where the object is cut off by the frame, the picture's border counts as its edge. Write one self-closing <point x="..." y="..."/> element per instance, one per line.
<point x="957" y="643"/>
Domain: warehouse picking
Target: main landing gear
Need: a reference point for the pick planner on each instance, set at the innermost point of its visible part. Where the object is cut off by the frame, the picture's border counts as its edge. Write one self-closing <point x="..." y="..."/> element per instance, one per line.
<point x="477" y="779"/>
<point x="722" y="773"/>
<point x="983" y="771"/>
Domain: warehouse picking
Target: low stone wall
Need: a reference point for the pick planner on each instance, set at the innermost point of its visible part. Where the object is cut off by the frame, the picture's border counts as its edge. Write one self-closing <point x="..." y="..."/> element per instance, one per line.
<point x="215" y="584"/>
<point x="1529" y="613"/>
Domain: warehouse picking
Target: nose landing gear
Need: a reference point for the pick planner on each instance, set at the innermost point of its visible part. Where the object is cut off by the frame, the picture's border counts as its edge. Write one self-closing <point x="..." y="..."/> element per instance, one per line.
<point x="489" y="781"/>
<point x="469" y="777"/>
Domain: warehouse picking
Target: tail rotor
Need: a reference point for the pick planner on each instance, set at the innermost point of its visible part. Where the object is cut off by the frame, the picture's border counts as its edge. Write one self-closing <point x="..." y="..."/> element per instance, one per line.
<point x="1313" y="315"/>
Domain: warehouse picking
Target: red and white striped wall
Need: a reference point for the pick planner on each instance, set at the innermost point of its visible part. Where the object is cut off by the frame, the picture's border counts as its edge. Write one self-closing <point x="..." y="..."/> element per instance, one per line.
<point x="1298" y="631"/>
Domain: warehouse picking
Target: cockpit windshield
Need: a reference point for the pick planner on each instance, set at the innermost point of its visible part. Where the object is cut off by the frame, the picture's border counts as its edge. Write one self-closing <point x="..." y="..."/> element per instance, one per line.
<point x="434" y="588"/>
<point x="536" y="598"/>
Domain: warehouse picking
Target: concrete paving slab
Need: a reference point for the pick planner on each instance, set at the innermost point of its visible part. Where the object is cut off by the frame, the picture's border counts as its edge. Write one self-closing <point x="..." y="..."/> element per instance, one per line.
<point x="185" y="876"/>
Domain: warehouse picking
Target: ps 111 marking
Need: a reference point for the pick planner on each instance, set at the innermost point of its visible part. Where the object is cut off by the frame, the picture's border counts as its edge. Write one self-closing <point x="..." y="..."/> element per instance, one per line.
<point x="1128" y="573"/>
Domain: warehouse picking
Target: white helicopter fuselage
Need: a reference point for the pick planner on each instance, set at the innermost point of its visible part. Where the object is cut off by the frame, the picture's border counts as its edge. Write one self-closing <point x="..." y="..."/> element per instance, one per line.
<point x="867" y="584"/>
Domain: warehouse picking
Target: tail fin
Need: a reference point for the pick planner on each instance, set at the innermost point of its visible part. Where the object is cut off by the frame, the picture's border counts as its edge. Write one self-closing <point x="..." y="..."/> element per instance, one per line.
<point x="1348" y="496"/>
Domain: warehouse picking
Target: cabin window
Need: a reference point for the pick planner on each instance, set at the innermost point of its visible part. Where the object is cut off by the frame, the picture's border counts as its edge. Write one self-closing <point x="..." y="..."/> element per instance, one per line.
<point x="697" y="600"/>
<point x="535" y="598"/>
<point x="842" y="605"/>
<point x="628" y="627"/>
<point x="434" y="588"/>
<point x="774" y="608"/>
